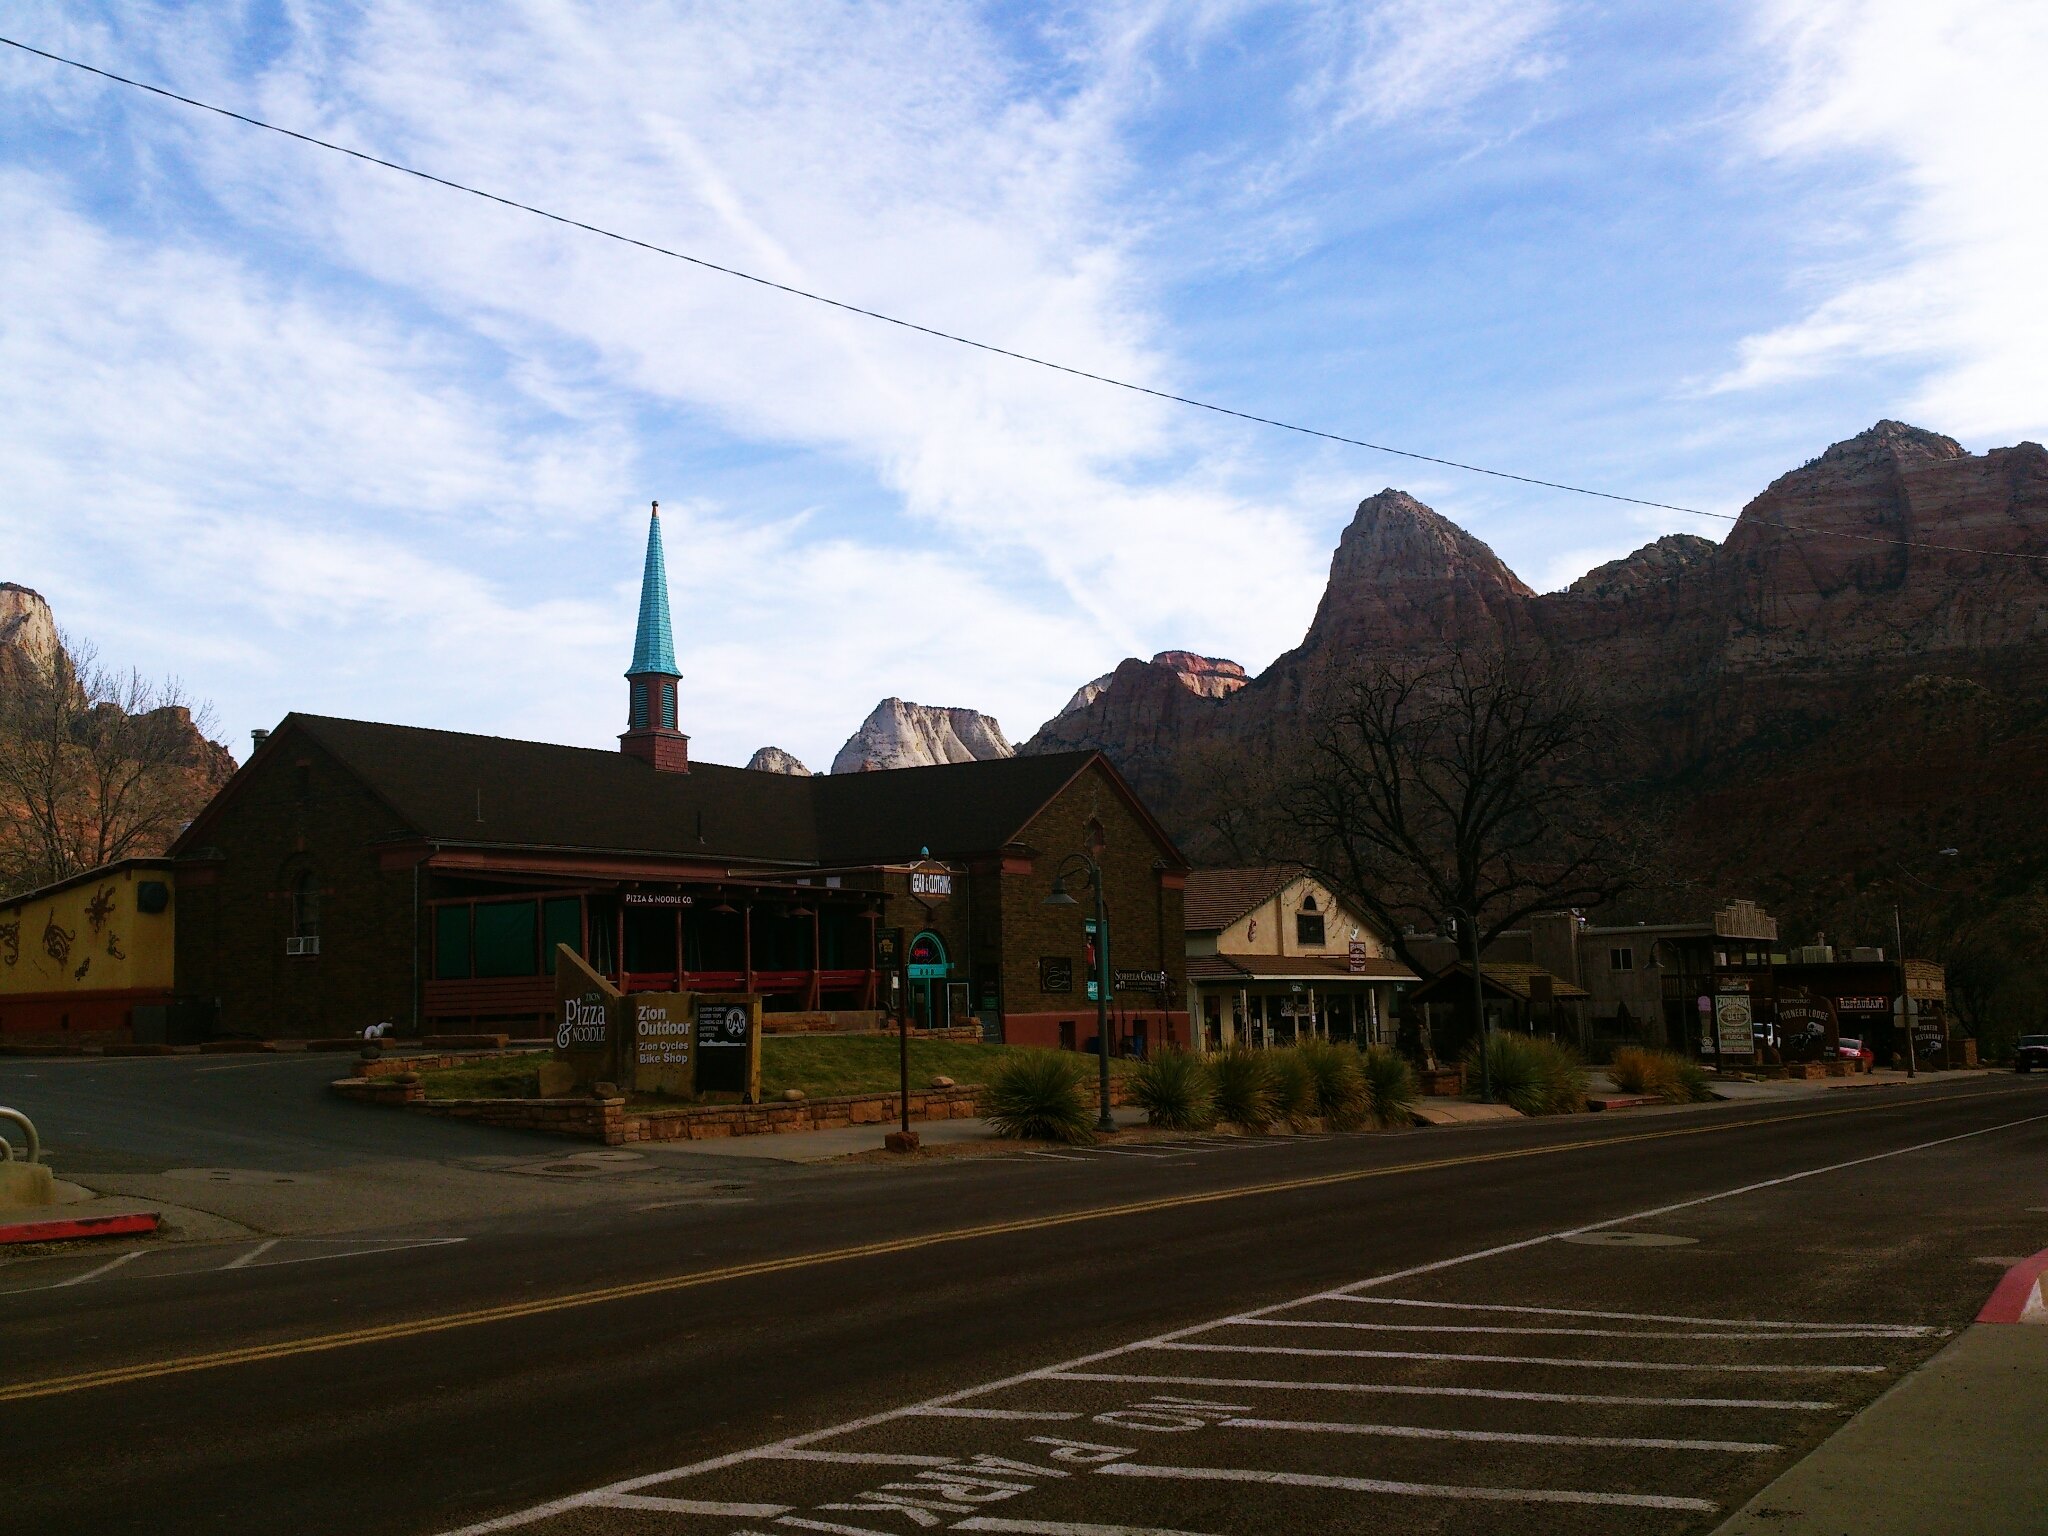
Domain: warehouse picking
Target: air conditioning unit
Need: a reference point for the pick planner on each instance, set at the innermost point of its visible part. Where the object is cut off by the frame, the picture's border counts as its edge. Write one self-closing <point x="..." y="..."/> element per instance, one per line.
<point x="309" y="945"/>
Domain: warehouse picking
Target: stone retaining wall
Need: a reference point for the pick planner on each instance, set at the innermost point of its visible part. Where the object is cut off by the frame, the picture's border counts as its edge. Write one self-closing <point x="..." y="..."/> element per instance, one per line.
<point x="609" y="1121"/>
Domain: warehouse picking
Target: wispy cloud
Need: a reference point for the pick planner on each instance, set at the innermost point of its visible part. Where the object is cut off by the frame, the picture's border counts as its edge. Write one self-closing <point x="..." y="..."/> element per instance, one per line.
<point x="1945" y="275"/>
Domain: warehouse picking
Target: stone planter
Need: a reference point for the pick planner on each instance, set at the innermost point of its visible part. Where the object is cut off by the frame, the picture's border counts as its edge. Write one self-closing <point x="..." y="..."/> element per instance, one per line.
<point x="1440" y="1082"/>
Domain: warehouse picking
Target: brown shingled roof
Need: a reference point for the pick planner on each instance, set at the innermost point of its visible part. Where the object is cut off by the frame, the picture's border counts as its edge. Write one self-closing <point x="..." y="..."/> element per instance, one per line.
<point x="492" y="791"/>
<point x="1216" y="898"/>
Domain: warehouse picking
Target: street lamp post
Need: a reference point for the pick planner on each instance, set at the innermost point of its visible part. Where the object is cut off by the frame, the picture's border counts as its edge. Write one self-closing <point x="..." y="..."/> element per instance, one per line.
<point x="1084" y="863"/>
<point x="1479" y="1010"/>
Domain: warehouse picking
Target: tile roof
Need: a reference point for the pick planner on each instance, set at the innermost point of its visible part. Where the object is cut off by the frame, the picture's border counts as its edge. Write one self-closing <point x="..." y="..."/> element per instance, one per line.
<point x="1216" y="898"/>
<point x="1511" y="976"/>
<point x="447" y="786"/>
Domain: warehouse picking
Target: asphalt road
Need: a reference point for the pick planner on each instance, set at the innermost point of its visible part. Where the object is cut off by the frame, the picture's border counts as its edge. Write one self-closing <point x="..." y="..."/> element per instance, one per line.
<point x="1392" y="1333"/>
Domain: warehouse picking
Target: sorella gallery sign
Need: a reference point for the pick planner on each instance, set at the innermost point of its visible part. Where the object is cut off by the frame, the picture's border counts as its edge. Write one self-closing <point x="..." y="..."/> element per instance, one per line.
<point x="686" y="1044"/>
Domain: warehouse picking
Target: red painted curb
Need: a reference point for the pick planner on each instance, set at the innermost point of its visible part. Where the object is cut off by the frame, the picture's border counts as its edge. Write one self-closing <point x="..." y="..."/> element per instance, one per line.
<point x="1623" y="1101"/>
<point x="83" y="1226"/>
<point x="2016" y="1292"/>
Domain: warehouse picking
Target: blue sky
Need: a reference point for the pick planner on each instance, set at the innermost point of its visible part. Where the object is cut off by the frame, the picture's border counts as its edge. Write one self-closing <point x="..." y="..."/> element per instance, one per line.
<point x="312" y="436"/>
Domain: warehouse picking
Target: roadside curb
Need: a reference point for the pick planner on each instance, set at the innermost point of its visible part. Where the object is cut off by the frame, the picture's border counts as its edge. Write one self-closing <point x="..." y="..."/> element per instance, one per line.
<point x="2018" y="1297"/>
<point x="128" y="1224"/>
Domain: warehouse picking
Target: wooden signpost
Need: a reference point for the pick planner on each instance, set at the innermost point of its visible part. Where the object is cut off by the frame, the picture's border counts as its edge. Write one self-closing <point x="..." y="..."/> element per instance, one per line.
<point x="684" y="1044"/>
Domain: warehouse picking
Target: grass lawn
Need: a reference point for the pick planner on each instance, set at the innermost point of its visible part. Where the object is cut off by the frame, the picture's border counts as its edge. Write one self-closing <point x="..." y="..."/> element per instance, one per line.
<point x="821" y="1065"/>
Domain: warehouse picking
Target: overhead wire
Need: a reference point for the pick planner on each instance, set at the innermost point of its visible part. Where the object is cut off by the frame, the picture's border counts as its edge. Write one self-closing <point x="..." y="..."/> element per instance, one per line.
<point x="992" y="348"/>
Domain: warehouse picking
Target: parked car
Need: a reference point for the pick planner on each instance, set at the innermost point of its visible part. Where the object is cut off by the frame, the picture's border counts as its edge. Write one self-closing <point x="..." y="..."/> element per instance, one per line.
<point x="1849" y="1048"/>
<point x="2030" y="1052"/>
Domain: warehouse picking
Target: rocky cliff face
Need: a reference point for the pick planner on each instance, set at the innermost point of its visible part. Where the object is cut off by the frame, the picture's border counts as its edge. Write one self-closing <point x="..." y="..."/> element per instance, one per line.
<point x="775" y="760"/>
<point x="28" y="634"/>
<point x="1144" y="713"/>
<point x="1894" y="555"/>
<point x="903" y="735"/>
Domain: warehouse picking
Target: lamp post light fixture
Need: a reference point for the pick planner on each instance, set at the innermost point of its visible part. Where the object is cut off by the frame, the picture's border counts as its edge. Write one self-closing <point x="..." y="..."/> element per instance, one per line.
<point x="1084" y="865"/>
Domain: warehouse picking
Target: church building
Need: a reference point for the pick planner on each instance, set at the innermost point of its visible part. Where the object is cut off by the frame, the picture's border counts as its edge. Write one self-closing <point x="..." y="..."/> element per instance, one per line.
<point x="353" y="873"/>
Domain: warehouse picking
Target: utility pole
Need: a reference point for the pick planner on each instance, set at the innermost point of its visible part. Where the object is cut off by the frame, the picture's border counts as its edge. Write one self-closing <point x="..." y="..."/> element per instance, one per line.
<point x="1905" y="1002"/>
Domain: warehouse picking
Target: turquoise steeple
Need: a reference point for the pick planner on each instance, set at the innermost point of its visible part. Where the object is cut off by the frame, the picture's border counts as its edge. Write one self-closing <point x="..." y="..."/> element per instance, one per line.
<point x="654" y="648"/>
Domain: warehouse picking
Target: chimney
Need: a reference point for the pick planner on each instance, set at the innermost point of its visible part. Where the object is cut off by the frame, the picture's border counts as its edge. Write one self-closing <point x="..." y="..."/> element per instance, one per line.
<point x="259" y="736"/>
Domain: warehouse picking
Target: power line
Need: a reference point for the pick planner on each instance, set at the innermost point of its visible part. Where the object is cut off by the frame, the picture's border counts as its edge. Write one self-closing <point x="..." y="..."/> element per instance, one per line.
<point x="984" y="346"/>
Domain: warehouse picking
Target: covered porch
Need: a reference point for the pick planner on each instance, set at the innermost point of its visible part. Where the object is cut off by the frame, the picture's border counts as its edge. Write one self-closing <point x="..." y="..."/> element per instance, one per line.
<point x="489" y="944"/>
<point x="1277" y="1000"/>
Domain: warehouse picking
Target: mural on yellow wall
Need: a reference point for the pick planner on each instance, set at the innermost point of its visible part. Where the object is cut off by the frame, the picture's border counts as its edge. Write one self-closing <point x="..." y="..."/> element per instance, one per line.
<point x="111" y="931"/>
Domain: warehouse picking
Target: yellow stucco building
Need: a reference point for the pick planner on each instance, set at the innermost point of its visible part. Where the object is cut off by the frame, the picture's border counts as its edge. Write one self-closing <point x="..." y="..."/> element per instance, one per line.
<point x="79" y="958"/>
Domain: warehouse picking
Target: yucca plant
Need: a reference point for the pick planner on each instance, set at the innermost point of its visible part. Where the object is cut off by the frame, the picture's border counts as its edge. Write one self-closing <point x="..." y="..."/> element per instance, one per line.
<point x="1563" y="1074"/>
<point x="1337" y="1085"/>
<point x="1534" y="1075"/>
<point x="1389" y="1086"/>
<point x="1692" y="1080"/>
<point x="1038" y="1095"/>
<point x="1294" y="1089"/>
<point x="1242" y="1083"/>
<point x="1174" y="1090"/>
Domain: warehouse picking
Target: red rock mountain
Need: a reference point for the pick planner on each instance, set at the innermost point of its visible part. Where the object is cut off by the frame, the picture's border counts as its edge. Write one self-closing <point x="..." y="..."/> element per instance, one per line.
<point x="1890" y="570"/>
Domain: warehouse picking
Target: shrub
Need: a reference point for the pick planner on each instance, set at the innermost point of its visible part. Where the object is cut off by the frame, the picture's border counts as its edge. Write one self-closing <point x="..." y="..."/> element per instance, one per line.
<point x="1692" y="1079"/>
<point x="1389" y="1084"/>
<point x="1636" y="1070"/>
<point x="1294" y="1089"/>
<point x="1669" y="1077"/>
<point x="1038" y="1094"/>
<point x="1242" y="1081"/>
<point x="1174" y="1090"/>
<point x="1535" y="1075"/>
<point x="1336" y="1083"/>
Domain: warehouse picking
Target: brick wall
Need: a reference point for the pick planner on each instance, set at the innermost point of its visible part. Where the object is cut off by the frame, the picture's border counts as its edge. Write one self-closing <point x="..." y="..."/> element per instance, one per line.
<point x="295" y="809"/>
<point x="1144" y="910"/>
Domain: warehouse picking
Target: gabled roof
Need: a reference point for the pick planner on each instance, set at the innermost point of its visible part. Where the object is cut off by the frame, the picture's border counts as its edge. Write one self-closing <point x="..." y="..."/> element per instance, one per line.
<point x="1216" y="898"/>
<point x="1509" y="976"/>
<point x="490" y="791"/>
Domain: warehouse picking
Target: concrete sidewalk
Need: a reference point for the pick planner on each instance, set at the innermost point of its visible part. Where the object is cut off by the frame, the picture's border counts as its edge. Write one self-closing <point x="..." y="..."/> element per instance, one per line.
<point x="1956" y="1447"/>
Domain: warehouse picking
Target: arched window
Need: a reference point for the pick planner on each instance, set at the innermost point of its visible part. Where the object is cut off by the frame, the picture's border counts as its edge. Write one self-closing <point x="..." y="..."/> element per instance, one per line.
<point x="305" y="907"/>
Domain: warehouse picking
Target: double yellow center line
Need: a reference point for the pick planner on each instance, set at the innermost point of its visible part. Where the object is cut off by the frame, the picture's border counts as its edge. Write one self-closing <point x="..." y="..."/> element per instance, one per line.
<point x="476" y="1317"/>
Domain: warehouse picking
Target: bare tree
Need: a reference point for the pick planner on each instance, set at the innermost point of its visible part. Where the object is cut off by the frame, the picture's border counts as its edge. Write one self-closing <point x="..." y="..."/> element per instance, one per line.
<point x="95" y="765"/>
<point x="1456" y="793"/>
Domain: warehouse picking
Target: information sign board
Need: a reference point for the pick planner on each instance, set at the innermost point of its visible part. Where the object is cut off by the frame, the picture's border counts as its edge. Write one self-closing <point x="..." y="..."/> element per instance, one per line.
<point x="664" y="1060"/>
<point x="727" y="1038"/>
<point x="1734" y="1024"/>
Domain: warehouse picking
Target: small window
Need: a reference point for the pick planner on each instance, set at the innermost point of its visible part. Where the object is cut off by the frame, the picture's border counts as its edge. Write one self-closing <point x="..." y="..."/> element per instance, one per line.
<point x="1308" y="929"/>
<point x="668" y="706"/>
<point x="305" y="907"/>
<point x="1623" y="959"/>
<point x="639" y="706"/>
